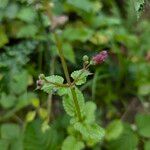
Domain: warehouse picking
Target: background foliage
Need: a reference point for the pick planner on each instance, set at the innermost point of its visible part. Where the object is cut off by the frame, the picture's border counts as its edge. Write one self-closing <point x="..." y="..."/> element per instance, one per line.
<point x="120" y="87"/>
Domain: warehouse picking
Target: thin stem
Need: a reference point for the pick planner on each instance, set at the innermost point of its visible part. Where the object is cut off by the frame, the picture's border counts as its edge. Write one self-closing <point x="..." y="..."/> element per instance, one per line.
<point x="72" y="88"/>
<point x="75" y="99"/>
<point x="59" y="47"/>
<point x="49" y="100"/>
<point x="65" y="68"/>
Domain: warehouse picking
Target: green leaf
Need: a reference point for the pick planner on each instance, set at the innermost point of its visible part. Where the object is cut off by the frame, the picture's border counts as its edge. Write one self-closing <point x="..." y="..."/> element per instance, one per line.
<point x="10" y="131"/>
<point x="19" y="82"/>
<point x="30" y="116"/>
<point x="114" y="130"/>
<point x="25" y="100"/>
<point x="3" y="3"/>
<point x="80" y="76"/>
<point x="4" y="144"/>
<point x="7" y="101"/>
<point x="144" y="89"/>
<point x="27" y="14"/>
<point x="147" y="145"/>
<point x="27" y="31"/>
<point x="87" y="5"/>
<point x="3" y="37"/>
<point x="77" y="34"/>
<point x="143" y="124"/>
<point x="69" y="105"/>
<point x="128" y="140"/>
<point x="11" y="11"/>
<point x="71" y="143"/>
<point x="91" y="133"/>
<point x="35" y="138"/>
<point x="68" y="52"/>
<point x="48" y="87"/>
<point x="89" y="110"/>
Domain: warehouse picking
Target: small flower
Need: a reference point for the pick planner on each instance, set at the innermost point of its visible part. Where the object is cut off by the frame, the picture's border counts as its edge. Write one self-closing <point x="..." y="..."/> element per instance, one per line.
<point x="99" y="58"/>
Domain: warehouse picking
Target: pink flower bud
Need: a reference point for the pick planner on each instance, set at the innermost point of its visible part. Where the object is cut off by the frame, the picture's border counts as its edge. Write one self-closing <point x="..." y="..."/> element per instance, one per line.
<point x="99" y="58"/>
<point x="39" y="83"/>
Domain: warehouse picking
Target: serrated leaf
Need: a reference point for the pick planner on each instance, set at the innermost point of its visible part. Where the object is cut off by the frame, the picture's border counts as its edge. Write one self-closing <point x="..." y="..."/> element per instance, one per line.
<point x="80" y="76"/>
<point x="89" y="110"/>
<point x="70" y="143"/>
<point x="143" y="124"/>
<point x="69" y="105"/>
<point x="48" y="87"/>
<point x="114" y="130"/>
<point x="91" y="133"/>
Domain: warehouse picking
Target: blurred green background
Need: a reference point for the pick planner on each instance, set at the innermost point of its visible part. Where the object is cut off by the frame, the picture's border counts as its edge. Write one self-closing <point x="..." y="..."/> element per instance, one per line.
<point x="120" y="87"/>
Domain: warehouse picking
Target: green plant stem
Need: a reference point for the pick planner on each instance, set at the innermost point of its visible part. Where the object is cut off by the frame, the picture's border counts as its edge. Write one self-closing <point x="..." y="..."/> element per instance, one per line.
<point x="59" y="47"/>
<point x="72" y="88"/>
<point x="74" y="95"/>
<point x="65" y="68"/>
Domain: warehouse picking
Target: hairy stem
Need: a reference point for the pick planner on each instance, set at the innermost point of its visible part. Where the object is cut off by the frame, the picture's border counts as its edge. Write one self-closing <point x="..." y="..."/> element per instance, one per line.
<point x="65" y="68"/>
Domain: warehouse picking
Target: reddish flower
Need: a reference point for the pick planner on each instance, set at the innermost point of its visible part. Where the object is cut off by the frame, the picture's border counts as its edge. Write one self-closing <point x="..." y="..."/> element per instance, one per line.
<point x="101" y="57"/>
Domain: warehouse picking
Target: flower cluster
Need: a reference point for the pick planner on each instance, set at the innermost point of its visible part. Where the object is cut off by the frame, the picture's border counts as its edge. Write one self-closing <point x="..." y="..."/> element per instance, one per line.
<point x="99" y="58"/>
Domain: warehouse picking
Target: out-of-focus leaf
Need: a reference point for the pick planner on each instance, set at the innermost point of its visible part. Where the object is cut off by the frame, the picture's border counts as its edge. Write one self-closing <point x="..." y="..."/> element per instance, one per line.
<point x="30" y="116"/>
<point x="144" y="89"/>
<point x="70" y="143"/>
<point x="25" y="100"/>
<point x="3" y="3"/>
<point x="7" y="101"/>
<point x="4" y="144"/>
<point x="43" y="113"/>
<point x="147" y="145"/>
<point x="68" y="52"/>
<point x="10" y="131"/>
<point x="27" y="31"/>
<point x="3" y="37"/>
<point x="128" y="140"/>
<point x="77" y="33"/>
<point x="86" y="6"/>
<point x="19" y="83"/>
<point x="11" y="11"/>
<point x="114" y="130"/>
<point x="35" y="139"/>
<point x="27" y="14"/>
<point x="143" y="124"/>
